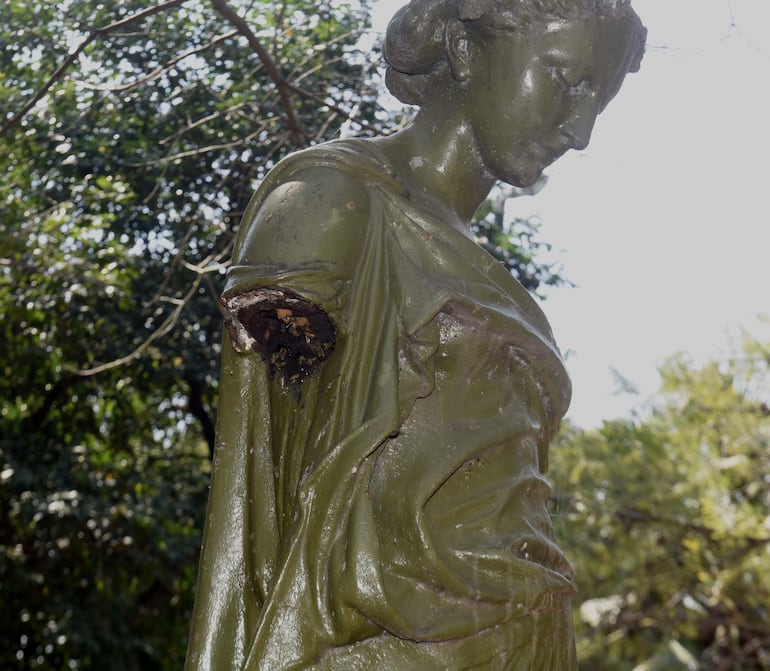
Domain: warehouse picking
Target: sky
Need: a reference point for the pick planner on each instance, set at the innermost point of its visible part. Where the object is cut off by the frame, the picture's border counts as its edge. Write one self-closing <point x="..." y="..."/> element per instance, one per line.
<point x="663" y="222"/>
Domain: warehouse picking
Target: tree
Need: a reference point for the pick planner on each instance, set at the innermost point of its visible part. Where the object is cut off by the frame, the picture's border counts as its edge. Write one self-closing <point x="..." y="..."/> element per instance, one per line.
<point x="131" y="137"/>
<point x="666" y="520"/>
<point x="515" y="243"/>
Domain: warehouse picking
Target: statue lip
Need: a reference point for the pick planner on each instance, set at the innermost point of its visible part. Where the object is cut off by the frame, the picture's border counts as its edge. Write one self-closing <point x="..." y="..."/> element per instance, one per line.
<point x="550" y="152"/>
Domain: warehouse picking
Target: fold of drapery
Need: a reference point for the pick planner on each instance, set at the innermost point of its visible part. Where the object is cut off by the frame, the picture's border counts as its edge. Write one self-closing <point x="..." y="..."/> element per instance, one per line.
<point x="293" y="571"/>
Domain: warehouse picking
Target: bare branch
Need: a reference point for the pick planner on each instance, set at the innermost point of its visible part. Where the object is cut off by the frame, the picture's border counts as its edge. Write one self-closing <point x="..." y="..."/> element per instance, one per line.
<point x="163" y="68"/>
<point x="334" y="108"/>
<point x="279" y="22"/>
<point x="162" y="330"/>
<point x="273" y="72"/>
<point x="214" y="294"/>
<point x="192" y="125"/>
<point x="323" y="48"/>
<point x="73" y="56"/>
<point x="631" y="515"/>
<point x="325" y="126"/>
<point x="206" y="267"/>
<point x="193" y="152"/>
<point x="178" y="257"/>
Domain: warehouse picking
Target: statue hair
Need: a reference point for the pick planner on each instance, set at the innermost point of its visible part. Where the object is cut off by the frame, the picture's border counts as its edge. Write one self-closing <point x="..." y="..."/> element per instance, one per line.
<point x="415" y="49"/>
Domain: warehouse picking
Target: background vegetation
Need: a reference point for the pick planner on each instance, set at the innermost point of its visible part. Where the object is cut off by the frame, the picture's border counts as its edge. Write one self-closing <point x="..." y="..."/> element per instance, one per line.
<point x="131" y="139"/>
<point x="666" y="517"/>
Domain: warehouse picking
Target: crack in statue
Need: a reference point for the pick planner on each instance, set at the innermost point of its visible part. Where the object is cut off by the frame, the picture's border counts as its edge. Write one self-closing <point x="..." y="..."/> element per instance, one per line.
<point x="389" y="390"/>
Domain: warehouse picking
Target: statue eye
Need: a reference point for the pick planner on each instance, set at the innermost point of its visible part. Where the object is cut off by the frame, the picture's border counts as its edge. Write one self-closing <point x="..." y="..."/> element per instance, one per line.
<point x="571" y="85"/>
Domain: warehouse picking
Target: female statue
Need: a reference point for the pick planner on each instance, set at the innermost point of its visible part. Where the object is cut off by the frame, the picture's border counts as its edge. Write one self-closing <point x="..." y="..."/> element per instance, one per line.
<point x="388" y="389"/>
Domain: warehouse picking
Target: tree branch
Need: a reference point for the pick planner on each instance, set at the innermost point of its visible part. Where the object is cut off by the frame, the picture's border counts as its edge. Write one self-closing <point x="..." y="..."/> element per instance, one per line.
<point x="273" y="72"/>
<point x="192" y="125"/>
<point x="631" y="515"/>
<point x="72" y="57"/>
<point x="164" y="328"/>
<point x="33" y="421"/>
<point x="198" y="409"/>
<point x="189" y="153"/>
<point x="160" y="70"/>
<point x="347" y="114"/>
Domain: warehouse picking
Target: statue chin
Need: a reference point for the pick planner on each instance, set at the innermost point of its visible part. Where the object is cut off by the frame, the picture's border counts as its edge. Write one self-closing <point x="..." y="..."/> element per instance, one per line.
<point x="527" y="178"/>
<point x="525" y="181"/>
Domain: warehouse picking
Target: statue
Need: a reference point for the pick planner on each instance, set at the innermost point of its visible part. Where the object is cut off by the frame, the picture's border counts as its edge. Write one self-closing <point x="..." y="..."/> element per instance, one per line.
<point x="388" y="389"/>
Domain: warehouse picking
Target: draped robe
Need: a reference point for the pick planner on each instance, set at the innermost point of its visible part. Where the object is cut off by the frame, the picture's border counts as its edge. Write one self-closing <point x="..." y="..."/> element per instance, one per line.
<point x="388" y="510"/>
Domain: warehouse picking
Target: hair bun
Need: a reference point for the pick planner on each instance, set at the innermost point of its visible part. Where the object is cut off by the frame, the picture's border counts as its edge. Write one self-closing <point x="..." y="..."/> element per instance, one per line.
<point x="415" y="38"/>
<point x="414" y="47"/>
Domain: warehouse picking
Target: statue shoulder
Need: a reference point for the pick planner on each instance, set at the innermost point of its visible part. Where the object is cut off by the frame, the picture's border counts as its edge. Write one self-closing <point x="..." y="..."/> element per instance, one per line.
<point x="317" y="213"/>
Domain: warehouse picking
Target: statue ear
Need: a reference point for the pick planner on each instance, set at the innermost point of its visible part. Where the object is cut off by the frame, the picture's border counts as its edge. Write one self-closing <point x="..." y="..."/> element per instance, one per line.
<point x="460" y="51"/>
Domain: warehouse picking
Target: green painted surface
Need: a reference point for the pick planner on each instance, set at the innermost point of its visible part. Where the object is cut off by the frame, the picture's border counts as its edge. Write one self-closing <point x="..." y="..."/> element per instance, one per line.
<point x="388" y="389"/>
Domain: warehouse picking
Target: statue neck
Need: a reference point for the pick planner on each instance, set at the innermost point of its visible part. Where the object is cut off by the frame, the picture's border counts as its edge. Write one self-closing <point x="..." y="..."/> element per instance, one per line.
<point x="439" y="163"/>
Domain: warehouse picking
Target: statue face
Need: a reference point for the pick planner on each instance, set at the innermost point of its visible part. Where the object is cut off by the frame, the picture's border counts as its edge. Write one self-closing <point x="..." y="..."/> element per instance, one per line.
<point x="531" y="98"/>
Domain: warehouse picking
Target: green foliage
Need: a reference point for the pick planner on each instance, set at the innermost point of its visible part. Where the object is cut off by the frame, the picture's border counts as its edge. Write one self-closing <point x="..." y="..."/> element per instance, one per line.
<point x="99" y="550"/>
<point x="131" y="137"/>
<point x="666" y="521"/>
<point x="122" y="186"/>
<point x="515" y="243"/>
<point x="121" y="190"/>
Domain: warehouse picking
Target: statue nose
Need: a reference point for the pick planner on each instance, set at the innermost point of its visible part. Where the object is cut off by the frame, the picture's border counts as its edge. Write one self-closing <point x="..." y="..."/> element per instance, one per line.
<point x="578" y="128"/>
<point x="577" y="138"/>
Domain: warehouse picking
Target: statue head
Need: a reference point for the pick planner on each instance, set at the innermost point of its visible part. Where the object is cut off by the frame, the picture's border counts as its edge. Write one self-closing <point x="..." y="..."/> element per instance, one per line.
<point x="530" y="76"/>
<point x="415" y="47"/>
